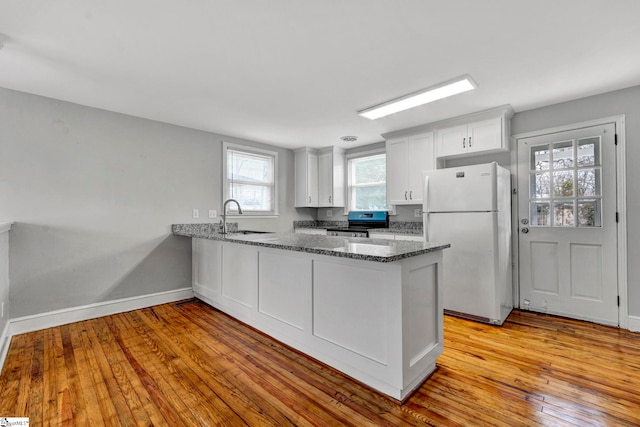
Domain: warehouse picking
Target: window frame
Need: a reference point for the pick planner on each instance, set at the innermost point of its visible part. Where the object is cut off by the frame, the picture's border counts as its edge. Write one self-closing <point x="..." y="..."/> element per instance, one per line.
<point x="250" y="150"/>
<point x="350" y="185"/>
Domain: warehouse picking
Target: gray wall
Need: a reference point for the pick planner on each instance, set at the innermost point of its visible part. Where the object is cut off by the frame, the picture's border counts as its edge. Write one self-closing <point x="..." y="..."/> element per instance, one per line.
<point x="626" y="102"/>
<point x="94" y="193"/>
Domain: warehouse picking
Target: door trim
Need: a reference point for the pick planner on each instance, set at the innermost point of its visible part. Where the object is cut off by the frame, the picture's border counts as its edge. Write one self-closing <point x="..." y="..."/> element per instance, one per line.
<point x="621" y="206"/>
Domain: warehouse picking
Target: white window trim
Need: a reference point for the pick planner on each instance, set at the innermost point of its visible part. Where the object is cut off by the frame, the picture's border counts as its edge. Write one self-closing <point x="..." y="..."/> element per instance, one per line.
<point x="225" y="187"/>
<point x="357" y="155"/>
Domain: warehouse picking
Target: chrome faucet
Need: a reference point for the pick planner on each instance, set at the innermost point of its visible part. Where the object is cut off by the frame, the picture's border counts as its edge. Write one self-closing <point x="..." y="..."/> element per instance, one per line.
<point x="224" y="213"/>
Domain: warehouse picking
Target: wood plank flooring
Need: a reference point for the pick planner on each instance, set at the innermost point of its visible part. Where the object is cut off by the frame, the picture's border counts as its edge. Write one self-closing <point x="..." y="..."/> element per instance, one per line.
<point x="188" y="364"/>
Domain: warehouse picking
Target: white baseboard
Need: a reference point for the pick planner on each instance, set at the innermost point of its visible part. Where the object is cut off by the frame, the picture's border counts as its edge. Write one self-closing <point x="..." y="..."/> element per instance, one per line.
<point x="50" y="319"/>
<point x="633" y="323"/>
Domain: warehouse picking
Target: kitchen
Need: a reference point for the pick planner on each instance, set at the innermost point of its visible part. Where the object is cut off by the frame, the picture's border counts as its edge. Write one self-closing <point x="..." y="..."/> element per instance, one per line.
<point x="92" y="225"/>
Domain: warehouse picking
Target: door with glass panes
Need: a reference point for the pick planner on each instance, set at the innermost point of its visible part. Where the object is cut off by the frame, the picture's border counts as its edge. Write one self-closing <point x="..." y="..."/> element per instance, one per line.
<point x="567" y="224"/>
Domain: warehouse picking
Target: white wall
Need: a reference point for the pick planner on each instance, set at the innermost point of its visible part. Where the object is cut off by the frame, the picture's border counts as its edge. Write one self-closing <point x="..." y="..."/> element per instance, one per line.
<point x="94" y="193"/>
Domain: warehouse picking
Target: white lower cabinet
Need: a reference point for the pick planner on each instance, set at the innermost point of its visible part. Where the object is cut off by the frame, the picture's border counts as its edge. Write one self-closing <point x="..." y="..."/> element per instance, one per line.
<point x="320" y="231"/>
<point x="409" y="237"/>
<point x="380" y="323"/>
<point x="394" y="236"/>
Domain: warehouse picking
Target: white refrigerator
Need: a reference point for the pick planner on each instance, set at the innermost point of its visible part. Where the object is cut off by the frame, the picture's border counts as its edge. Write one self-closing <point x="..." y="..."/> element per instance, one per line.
<point x="470" y="208"/>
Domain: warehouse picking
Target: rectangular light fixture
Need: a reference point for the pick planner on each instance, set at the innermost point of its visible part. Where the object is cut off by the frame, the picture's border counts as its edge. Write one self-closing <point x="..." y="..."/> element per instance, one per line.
<point x="433" y="93"/>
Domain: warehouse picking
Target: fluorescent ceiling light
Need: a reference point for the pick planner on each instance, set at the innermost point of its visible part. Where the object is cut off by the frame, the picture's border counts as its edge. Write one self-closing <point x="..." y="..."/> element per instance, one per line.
<point x="442" y="90"/>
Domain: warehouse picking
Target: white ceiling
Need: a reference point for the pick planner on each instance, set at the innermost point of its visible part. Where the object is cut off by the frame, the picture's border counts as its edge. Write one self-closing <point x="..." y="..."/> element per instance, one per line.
<point x="294" y="72"/>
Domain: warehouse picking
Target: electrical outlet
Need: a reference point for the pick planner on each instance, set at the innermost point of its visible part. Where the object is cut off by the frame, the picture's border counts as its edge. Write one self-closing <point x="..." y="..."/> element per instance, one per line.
<point x="329" y="213"/>
<point x="213" y="213"/>
<point x="196" y="213"/>
<point x="417" y="213"/>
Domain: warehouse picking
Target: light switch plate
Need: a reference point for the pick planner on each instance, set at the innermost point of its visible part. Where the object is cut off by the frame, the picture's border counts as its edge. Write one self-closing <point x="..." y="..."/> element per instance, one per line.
<point x="196" y="213"/>
<point x="329" y="213"/>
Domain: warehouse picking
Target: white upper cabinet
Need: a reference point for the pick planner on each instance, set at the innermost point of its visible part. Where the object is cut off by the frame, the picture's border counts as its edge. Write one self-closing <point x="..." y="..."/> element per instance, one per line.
<point x="331" y="170"/>
<point x="407" y="157"/>
<point x="474" y="134"/>
<point x="306" y="175"/>
<point x="474" y="137"/>
<point x="319" y="177"/>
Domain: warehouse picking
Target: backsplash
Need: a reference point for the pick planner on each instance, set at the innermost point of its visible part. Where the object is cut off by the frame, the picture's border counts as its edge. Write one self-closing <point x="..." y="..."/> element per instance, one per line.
<point x="393" y="225"/>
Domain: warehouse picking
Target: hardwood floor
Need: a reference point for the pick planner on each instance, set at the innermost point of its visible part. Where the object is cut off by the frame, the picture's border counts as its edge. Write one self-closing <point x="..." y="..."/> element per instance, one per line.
<point x="188" y="364"/>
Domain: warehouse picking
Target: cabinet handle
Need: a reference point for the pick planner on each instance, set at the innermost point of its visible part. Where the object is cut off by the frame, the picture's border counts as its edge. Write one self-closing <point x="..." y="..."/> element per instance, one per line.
<point x="463" y="142"/>
<point x="411" y="195"/>
<point x="329" y="199"/>
<point x="469" y="142"/>
<point x="309" y="199"/>
<point x="405" y="195"/>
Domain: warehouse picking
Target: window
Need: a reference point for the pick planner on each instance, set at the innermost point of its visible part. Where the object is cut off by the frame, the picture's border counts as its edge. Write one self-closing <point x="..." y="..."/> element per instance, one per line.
<point x="565" y="187"/>
<point x="249" y="177"/>
<point x="368" y="182"/>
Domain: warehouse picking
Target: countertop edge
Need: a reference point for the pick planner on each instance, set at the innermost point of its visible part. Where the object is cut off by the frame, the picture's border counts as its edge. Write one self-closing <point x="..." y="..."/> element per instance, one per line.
<point x="319" y="251"/>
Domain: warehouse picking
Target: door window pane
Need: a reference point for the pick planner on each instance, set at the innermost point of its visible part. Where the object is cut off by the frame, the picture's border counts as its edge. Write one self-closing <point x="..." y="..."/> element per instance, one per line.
<point x="589" y="151"/>
<point x="589" y="213"/>
<point x="563" y="184"/>
<point x="540" y="157"/>
<point x="539" y="214"/>
<point x="589" y="182"/>
<point x="540" y="185"/>
<point x="563" y="155"/>
<point x="563" y="215"/>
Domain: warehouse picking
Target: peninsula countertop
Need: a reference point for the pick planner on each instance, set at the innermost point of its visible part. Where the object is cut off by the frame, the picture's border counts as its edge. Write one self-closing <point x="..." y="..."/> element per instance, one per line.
<point x="377" y="250"/>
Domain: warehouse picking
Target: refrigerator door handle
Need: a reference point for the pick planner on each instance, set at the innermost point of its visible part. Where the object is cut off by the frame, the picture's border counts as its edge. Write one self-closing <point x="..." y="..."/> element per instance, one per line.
<point x="425" y="208"/>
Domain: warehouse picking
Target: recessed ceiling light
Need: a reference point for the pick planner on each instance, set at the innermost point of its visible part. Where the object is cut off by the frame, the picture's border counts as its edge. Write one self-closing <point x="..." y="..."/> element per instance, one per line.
<point x="349" y="138"/>
<point x="433" y="93"/>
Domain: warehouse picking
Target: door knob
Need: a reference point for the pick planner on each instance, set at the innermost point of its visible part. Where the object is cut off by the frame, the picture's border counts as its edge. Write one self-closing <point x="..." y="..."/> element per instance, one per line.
<point x="525" y="230"/>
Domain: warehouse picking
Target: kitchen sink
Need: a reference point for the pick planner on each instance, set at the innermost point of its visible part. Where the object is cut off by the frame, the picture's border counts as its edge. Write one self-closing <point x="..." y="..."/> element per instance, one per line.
<point x="250" y="232"/>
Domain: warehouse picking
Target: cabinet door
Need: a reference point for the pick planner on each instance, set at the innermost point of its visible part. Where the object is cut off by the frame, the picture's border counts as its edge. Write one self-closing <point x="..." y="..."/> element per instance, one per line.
<point x="312" y="180"/>
<point x="410" y="237"/>
<point x="206" y="268"/>
<point x="419" y="158"/>
<point x="397" y="178"/>
<point x="485" y="135"/>
<point x="451" y="141"/>
<point x="325" y="179"/>
<point x="306" y="179"/>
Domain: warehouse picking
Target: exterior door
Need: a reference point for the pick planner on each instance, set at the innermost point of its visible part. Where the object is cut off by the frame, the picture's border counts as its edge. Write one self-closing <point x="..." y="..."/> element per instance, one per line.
<point x="567" y="224"/>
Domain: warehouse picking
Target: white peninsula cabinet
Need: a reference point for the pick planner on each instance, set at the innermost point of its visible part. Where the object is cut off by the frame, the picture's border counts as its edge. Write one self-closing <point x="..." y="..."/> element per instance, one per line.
<point x="376" y="321"/>
<point x="407" y="157"/>
<point x="474" y="134"/>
